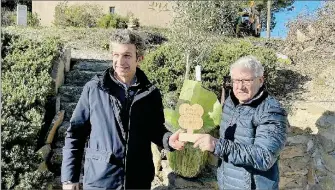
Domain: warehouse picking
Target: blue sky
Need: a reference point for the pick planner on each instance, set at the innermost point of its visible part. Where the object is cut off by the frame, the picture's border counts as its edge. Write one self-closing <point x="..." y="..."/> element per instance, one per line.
<point x="280" y="30"/>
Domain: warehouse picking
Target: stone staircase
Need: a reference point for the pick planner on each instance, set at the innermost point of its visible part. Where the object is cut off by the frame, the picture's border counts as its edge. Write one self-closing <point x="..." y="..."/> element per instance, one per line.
<point x="82" y="70"/>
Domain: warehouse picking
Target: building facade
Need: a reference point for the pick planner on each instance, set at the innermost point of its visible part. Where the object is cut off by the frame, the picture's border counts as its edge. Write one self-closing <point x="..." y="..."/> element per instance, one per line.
<point x="149" y="13"/>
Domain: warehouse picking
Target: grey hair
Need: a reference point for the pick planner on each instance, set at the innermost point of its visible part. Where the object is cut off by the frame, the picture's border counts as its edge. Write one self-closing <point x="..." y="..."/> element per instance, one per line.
<point x="125" y="36"/>
<point x="249" y="62"/>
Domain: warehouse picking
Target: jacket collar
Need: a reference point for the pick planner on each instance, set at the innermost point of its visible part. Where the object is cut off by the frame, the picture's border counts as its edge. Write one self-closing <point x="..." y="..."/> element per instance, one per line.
<point x="109" y="83"/>
<point x="255" y="101"/>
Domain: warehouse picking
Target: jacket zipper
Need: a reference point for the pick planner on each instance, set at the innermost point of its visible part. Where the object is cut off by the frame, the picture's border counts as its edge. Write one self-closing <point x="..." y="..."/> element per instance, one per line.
<point x="127" y="139"/>
<point x="125" y="157"/>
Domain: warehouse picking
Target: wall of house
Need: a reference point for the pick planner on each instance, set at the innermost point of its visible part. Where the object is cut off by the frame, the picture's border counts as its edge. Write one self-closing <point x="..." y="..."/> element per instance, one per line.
<point x="150" y="13"/>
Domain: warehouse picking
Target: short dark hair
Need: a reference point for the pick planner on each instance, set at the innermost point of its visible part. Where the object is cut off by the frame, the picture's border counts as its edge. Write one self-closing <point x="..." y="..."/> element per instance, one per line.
<point x="125" y="36"/>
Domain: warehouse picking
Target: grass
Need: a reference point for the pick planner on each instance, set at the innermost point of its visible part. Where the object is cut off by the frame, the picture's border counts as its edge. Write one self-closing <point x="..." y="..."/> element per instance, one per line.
<point x="76" y="38"/>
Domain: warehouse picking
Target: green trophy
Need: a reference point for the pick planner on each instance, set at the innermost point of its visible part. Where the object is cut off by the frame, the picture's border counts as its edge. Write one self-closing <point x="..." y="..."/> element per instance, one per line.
<point x="199" y="112"/>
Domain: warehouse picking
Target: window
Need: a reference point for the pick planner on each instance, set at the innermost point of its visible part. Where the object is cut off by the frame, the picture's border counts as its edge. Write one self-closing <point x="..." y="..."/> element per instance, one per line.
<point x="112" y="10"/>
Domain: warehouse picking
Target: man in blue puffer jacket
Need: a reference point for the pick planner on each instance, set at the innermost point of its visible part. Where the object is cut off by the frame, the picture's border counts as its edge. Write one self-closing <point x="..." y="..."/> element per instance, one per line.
<point x="253" y="131"/>
<point x="117" y="117"/>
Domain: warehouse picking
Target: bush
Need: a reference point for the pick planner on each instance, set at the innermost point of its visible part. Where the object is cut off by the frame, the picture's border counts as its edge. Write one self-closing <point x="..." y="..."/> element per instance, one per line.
<point x="224" y="54"/>
<point x="26" y="85"/>
<point x="8" y="18"/>
<point x="165" y="67"/>
<point x="85" y="15"/>
<point x="112" y="21"/>
<point x="33" y="19"/>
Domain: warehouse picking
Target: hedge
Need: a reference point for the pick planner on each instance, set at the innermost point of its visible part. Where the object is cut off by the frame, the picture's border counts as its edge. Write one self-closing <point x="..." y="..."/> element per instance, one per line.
<point x="165" y="67"/>
<point x="26" y="86"/>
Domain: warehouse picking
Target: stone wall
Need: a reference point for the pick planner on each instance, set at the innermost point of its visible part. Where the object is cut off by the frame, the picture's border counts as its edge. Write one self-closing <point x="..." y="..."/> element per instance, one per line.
<point x="307" y="161"/>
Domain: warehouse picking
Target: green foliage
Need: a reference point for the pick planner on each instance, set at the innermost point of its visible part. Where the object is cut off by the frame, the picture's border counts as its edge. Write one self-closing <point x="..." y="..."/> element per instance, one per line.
<point x="112" y="21"/>
<point x="8" y="18"/>
<point x="190" y="161"/>
<point x="12" y="4"/>
<point x="77" y="15"/>
<point x="206" y="16"/>
<point x="276" y="6"/>
<point x="166" y="67"/>
<point x="33" y="19"/>
<point x="224" y="54"/>
<point x="26" y="84"/>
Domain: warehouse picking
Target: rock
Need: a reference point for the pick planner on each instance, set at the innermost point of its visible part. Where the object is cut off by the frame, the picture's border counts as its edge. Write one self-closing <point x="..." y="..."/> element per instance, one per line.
<point x="311" y="30"/>
<point x="70" y="93"/>
<point x="329" y="161"/>
<point x="204" y="182"/>
<point x="283" y="58"/>
<point x="79" y="78"/>
<point x="156" y="157"/>
<point x="327" y="144"/>
<point x="310" y="48"/>
<point x="327" y="182"/>
<point x="306" y="116"/>
<point x="310" y="146"/>
<point x="69" y="108"/>
<point x="301" y="37"/>
<point x="293" y="151"/>
<point x="326" y="120"/>
<point x="165" y="172"/>
<point x="293" y="182"/>
<point x="298" y="139"/>
<point x="311" y="175"/>
<point x="294" y="166"/>
<point x="90" y="65"/>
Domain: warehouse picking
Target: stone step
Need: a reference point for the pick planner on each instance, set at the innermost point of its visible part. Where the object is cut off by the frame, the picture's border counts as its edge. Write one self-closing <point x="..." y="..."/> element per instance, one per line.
<point x="56" y="161"/>
<point x="70" y="93"/>
<point x="68" y="107"/>
<point x="79" y="78"/>
<point x="59" y="143"/>
<point x="91" y="65"/>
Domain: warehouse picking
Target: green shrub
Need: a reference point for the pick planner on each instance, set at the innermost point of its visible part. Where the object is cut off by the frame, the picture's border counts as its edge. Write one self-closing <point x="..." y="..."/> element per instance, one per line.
<point x="165" y="67"/>
<point x="33" y="19"/>
<point x="26" y="85"/>
<point x="112" y="21"/>
<point x="8" y="18"/>
<point x="85" y="15"/>
<point x="224" y="54"/>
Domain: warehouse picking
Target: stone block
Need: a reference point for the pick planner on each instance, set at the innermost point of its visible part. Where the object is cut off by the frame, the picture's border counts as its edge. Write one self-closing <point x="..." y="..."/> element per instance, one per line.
<point x="67" y="59"/>
<point x="293" y="151"/>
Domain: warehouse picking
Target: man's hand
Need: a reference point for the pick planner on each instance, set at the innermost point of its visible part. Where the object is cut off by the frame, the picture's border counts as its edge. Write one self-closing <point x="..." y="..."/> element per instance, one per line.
<point x="205" y="142"/>
<point x="174" y="141"/>
<point x="71" y="186"/>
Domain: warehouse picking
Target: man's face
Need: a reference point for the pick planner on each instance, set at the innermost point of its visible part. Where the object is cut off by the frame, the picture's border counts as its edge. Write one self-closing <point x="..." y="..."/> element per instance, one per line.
<point x="125" y="60"/>
<point x="245" y="84"/>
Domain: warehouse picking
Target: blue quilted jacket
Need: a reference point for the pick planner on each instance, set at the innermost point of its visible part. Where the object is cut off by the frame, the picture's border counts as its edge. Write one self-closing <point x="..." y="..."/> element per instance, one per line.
<point x="251" y="138"/>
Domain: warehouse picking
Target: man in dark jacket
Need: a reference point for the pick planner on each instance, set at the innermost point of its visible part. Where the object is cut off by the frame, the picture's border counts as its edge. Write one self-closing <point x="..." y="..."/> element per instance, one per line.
<point x="252" y="132"/>
<point x="118" y="115"/>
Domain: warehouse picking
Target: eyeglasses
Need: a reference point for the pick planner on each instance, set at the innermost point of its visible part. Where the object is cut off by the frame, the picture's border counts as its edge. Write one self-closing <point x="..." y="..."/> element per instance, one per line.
<point x="245" y="82"/>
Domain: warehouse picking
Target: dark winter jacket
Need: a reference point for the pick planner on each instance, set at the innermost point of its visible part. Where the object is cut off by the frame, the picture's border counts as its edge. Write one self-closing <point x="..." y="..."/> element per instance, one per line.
<point x="252" y="136"/>
<point x="115" y="130"/>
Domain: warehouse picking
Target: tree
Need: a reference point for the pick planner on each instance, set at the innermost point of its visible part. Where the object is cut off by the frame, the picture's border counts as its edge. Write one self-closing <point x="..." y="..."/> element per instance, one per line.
<point x="12" y="4"/>
<point x="276" y="6"/>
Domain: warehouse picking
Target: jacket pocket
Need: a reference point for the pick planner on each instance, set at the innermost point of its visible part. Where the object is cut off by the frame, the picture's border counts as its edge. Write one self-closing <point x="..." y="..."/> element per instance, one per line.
<point x="100" y="173"/>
